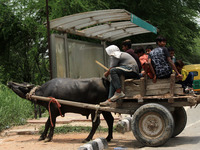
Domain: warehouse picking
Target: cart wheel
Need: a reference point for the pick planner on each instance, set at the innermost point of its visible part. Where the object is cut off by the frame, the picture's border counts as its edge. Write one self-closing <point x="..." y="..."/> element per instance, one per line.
<point x="152" y="124"/>
<point x="180" y="120"/>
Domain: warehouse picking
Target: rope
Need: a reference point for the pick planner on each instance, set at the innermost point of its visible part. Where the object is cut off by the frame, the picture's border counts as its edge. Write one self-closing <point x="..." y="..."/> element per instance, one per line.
<point x="96" y="112"/>
<point x="32" y="92"/>
<point x="53" y="100"/>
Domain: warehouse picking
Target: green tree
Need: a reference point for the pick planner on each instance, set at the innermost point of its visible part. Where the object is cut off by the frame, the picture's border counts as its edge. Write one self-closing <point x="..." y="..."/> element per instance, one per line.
<point x="23" y="43"/>
<point x="195" y="53"/>
<point x="175" y="20"/>
<point x="23" y="34"/>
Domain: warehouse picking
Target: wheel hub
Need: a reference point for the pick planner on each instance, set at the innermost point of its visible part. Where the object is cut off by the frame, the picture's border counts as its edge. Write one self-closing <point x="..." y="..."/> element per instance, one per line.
<point x="151" y="125"/>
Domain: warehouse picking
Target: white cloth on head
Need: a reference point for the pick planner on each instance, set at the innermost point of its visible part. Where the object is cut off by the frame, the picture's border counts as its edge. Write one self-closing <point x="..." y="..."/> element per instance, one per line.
<point x="113" y="50"/>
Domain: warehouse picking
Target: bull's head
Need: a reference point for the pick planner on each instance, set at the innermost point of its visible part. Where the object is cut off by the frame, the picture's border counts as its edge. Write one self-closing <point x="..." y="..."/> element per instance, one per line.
<point x="21" y="89"/>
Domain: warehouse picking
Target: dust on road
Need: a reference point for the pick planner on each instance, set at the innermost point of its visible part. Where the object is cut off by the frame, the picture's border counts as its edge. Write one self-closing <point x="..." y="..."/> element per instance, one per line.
<point x="68" y="141"/>
<point x="71" y="141"/>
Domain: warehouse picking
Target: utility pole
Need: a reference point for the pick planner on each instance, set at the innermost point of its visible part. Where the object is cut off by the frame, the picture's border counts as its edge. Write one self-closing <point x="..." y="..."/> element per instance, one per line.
<point x="48" y="38"/>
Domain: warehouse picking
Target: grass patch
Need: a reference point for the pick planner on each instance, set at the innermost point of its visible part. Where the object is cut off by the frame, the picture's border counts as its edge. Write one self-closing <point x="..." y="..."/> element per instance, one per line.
<point x="75" y="129"/>
<point x="13" y="109"/>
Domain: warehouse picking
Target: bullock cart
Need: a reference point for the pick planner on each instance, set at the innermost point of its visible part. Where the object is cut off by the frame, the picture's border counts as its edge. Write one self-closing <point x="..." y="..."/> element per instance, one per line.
<point x="157" y="109"/>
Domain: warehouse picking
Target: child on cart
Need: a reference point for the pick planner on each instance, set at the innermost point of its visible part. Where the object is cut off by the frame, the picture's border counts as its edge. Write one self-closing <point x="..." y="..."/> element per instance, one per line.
<point x="188" y="77"/>
<point x="161" y="61"/>
<point x="144" y="62"/>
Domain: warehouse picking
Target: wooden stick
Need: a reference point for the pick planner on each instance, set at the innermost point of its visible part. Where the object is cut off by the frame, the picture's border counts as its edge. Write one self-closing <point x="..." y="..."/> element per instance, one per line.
<point x="100" y="64"/>
<point x="83" y="105"/>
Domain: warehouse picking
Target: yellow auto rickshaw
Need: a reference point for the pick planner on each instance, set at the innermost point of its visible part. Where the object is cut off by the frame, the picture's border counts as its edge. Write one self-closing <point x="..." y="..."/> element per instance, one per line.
<point x="195" y="69"/>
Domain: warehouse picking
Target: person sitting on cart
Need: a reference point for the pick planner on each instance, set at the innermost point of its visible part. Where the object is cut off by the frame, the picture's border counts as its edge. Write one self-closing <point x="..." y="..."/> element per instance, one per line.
<point x="121" y="63"/>
<point x="126" y="47"/>
<point x="188" y="77"/>
<point x="144" y="62"/>
<point x="148" y="49"/>
<point x="161" y="61"/>
<point x="172" y="54"/>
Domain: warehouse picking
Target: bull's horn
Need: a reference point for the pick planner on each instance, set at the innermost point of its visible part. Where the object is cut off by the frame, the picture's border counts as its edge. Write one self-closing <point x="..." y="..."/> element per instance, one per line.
<point x="21" y="84"/>
<point x="30" y="85"/>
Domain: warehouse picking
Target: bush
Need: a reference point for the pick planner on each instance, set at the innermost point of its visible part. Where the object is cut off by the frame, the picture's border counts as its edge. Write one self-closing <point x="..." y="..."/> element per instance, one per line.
<point x="13" y="109"/>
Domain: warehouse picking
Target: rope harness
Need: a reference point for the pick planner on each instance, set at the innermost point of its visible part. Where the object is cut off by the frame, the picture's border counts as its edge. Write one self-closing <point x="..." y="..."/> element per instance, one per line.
<point x="32" y="92"/>
<point x="97" y="114"/>
<point x="53" y="100"/>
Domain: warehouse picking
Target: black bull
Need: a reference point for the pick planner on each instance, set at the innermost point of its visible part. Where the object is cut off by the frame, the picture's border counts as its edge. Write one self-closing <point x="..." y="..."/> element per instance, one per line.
<point x="92" y="91"/>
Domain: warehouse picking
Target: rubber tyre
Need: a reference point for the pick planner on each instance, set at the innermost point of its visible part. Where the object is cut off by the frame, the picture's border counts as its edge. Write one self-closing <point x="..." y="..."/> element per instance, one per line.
<point x="152" y="124"/>
<point x="180" y="120"/>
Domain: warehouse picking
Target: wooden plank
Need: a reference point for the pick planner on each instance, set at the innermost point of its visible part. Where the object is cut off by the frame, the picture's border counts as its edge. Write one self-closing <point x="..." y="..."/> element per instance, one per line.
<point x="178" y="85"/>
<point x="164" y="86"/>
<point x="158" y="81"/>
<point x="132" y="81"/>
<point x="158" y="86"/>
<point x="131" y="93"/>
<point x="132" y="85"/>
<point x="142" y="87"/>
<point x="172" y="83"/>
<point x="178" y="91"/>
<point x="132" y="88"/>
<point x="122" y="79"/>
<point x="157" y="92"/>
<point x="164" y="96"/>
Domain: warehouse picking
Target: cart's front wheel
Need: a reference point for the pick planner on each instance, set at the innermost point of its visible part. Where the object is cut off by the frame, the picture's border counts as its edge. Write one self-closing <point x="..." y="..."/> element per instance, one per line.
<point x="152" y="124"/>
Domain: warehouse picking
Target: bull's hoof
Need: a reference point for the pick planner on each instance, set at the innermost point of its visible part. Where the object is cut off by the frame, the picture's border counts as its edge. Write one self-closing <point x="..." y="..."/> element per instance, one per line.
<point x="48" y="140"/>
<point x="41" y="138"/>
<point x="109" y="139"/>
<point x="85" y="141"/>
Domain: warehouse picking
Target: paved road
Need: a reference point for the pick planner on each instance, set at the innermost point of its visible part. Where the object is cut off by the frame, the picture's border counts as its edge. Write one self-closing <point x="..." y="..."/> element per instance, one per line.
<point x="189" y="138"/>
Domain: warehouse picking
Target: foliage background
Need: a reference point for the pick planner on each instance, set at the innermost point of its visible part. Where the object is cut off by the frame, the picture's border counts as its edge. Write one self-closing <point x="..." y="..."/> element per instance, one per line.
<point x="23" y="36"/>
<point x="13" y="110"/>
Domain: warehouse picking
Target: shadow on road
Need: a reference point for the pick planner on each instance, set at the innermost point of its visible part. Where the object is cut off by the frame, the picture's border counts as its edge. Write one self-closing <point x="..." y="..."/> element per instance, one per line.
<point x="182" y="140"/>
<point x="173" y="142"/>
<point x="125" y="143"/>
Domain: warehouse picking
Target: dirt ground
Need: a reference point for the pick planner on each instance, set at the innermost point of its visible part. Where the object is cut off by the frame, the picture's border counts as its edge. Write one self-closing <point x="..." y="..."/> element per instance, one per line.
<point x="24" y="138"/>
<point x="63" y="142"/>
